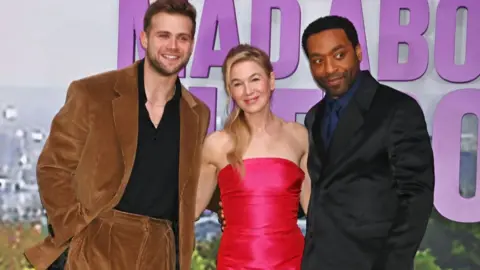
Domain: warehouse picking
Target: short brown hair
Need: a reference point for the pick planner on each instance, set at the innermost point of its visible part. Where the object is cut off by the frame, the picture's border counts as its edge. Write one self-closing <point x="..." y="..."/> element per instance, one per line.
<point x="181" y="7"/>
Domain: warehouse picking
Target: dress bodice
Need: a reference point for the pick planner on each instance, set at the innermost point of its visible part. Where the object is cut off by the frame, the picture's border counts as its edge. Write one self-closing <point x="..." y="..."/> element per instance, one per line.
<point x="266" y="198"/>
<point x="261" y="211"/>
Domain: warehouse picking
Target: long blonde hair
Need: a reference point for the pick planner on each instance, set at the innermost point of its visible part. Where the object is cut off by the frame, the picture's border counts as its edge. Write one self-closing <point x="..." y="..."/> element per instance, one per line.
<point x="236" y="125"/>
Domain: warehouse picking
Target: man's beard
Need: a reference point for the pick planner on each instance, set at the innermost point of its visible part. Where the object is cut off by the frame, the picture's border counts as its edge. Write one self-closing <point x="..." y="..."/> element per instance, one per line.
<point x="322" y="81"/>
<point x="161" y="69"/>
<point x="347" y="76"/>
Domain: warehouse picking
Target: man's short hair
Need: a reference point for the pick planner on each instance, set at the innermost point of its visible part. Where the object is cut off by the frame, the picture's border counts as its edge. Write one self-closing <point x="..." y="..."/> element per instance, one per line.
<point x="181" y="7"/>
<point x="328" y="23"/>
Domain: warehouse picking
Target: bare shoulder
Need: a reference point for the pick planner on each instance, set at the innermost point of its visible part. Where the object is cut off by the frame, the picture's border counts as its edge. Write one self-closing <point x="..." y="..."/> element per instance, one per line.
<point x="297" y="130"/>
<point x="298" y="135"/>
<point x="219" y="138"/>
<point x="217" y="144"/>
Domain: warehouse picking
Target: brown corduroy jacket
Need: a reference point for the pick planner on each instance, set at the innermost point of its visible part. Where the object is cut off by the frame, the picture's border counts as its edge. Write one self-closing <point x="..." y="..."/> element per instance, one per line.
<point x="88" y="158"/>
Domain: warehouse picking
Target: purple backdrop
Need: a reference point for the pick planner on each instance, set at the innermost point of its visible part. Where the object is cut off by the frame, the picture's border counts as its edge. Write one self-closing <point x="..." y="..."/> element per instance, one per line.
<point x="219" y="15"/>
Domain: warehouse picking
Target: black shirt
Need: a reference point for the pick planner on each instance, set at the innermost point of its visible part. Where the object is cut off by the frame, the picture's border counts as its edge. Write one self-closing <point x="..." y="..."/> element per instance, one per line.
<point x="153" y="187"/>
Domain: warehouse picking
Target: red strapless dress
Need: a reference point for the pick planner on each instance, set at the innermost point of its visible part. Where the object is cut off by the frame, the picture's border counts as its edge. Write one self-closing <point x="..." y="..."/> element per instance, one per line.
<point x="261" y="214"/>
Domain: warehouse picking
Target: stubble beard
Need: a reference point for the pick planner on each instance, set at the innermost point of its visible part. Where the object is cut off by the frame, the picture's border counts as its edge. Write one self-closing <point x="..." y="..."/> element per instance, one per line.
<point x="164" y="71"/>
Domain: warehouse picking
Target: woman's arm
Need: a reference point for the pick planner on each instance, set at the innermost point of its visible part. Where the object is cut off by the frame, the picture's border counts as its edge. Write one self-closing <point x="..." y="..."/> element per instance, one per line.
<point x="306" y="185"/>
<point x="302" y="136"/>
<point x="207" y="181"/>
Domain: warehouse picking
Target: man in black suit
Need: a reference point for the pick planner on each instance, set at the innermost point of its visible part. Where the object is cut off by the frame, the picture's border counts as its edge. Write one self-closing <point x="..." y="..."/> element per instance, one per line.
<point x="370" y="161"/>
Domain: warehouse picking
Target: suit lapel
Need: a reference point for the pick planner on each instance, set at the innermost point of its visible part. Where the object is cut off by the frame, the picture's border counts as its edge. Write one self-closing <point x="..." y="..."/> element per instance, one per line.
<point x="316" y="156"/>
<point x="189" y="127"/>
<point x="189" y="140"/>
<point x="125" y="115"/>
<point x="351" y="121"/>
<point x="316" y="131"/>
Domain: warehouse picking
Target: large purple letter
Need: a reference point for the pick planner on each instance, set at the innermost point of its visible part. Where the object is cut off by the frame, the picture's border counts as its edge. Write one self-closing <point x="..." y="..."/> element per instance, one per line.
<point x="219" y="13"/>
<point x="289" y="35"/>
<point x="392" y="34"/>
<point x="130" y="24"/>
<point x="352" y="9"/>
<point x="445" y="41"/>
<point x="209" y="96"/>
<point x="446" y="146"/>
<point x="303" y="100"/>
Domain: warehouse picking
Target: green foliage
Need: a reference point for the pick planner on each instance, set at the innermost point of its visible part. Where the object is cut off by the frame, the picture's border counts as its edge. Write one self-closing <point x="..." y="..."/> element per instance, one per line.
<point x="198" y="262"/>
<point x="14" y="239"/>
<point x="424" y="260"/>
<point x="447" y="245"/>
<point x="454" y="245"/>
<point x="205" y="255"/>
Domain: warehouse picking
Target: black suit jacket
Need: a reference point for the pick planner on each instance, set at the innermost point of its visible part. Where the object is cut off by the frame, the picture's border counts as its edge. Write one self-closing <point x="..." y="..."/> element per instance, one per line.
<point x="372" y="188"/>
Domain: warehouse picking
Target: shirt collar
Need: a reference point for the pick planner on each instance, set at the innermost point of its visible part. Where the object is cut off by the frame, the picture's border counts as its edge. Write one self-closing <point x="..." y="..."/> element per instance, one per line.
<point x="141" y="84"/>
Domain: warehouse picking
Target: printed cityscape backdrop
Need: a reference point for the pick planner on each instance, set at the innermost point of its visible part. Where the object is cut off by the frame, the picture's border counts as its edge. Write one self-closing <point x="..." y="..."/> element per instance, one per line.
<point x="24" y="126"/>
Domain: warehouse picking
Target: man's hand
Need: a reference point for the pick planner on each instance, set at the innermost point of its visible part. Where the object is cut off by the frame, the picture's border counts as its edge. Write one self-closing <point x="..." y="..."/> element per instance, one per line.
<point x="221" y="217"/>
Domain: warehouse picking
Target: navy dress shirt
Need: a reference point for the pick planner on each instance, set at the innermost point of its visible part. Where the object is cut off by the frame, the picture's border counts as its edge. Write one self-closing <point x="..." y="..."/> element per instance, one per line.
<point x="334" y="109"/>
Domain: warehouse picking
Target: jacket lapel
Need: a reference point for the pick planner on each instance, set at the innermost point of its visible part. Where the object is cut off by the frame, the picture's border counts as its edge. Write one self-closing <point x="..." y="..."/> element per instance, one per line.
<point x="189" y="146"/>
<point x="316" y="156"/>
<point x="125" y="115"/>
<point x="316" y="132"/>
<point x="189" y="121"/>
<point x="351" y="121"/>
<point x="125" y="112"/>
